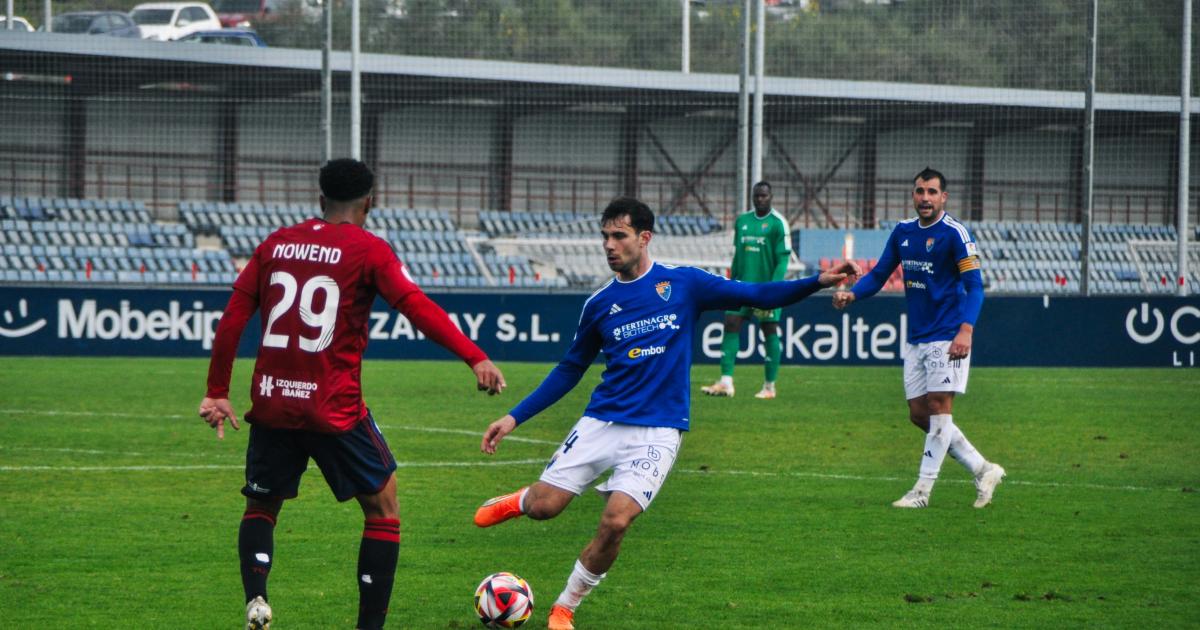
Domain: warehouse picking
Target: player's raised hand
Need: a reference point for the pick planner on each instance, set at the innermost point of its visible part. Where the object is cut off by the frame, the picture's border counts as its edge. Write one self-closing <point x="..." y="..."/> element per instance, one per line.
<point x="215" y="411"/>
<point x="496" y="432"/>
<point x="842" y="299"/>
<point x="847" y="270"/>
<point x="488" y="377"/>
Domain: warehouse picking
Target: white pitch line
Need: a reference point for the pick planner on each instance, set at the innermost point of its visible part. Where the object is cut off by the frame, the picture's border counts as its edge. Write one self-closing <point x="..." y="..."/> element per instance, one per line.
<point x="477" y="434"/>
<point x="189" y="467"/>
<point x="815" y="475"/>
<point x="123" y="414"/>
<point x="810" y="475"/>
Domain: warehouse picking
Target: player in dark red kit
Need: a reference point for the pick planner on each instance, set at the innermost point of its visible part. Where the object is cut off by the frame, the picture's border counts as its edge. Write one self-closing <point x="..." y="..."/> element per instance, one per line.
<point x="315" y="283"/>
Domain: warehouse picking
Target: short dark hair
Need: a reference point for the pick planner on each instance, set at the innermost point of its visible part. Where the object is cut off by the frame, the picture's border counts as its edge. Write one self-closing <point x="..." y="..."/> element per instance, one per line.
<point x="929" y="174"/>
<point x="640" y="215"/>
<point x="763" y="183"/>
<point x="346" y="179"/>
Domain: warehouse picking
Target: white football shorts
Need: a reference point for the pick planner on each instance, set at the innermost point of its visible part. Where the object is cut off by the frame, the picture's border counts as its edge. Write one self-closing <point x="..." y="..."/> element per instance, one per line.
<point x="926" y="369"/>
<point x="640" y="458"/>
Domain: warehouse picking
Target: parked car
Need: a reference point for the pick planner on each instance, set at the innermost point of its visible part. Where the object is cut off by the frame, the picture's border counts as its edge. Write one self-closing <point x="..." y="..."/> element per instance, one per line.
<point x="19" y="24"/>
<point x="243" y="13"/>
<point x="168" y="21"/>
<point x="112" y="23"/>
<point x="227" y="36"/>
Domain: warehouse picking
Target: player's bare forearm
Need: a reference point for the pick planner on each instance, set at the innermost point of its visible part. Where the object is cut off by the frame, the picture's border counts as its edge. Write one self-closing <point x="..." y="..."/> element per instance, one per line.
<point x="496" y="432"/>
<point x="488" y="377"/>
<point x="215" y="411"/>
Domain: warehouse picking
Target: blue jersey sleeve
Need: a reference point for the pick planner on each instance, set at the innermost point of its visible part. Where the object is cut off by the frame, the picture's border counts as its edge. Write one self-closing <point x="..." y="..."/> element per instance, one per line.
<point x="873" y="280"/>
<point x="719" y="293"/>
<point x="565" y="376"/>
<point x="967" y="256"/>
<point x="973" y="301"/>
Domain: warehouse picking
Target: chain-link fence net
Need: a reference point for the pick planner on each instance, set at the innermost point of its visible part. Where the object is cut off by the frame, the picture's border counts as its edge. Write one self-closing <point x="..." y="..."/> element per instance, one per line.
<point x="552" y="107"/>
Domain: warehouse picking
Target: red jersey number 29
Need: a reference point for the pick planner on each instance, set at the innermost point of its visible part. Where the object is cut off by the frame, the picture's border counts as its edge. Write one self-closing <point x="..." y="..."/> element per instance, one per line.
<point x="323" y="319"/>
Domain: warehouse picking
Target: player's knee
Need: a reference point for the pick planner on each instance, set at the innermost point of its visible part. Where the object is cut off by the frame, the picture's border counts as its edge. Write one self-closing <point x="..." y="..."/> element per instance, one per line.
<point x="540" y="506"/>
<point x="920" y="420"/>
<point x="613" y="525"/>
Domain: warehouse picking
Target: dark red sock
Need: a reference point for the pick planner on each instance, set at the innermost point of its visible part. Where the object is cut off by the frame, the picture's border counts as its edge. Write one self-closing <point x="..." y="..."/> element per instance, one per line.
<point x="377" y="555"/>
<point x="256" y="548"/>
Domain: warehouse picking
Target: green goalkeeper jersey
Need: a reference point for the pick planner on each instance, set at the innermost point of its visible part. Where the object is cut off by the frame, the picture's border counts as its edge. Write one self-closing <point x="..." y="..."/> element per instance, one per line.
<point x="761" y="247"/>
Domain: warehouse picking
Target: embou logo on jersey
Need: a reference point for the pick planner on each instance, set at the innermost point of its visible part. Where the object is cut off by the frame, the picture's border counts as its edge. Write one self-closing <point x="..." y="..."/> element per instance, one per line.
<point x="929" y="244"/>
<point x="645" y="352"/>
<point x="266" y="386"/>
<point x="664" y="289"/>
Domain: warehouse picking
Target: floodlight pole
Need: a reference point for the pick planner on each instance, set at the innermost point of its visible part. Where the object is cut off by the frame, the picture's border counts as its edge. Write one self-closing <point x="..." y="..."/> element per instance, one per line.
<point x="756" y="144"/>
<point x="355" y="82"/>
<point x="1185" y="148"/>
<point x="1089" y="132"/>
<point x="327" y="83"/>
<point x="685" y="61"/>
<point x="8" y="20"/>
<point x="744" y="114"/>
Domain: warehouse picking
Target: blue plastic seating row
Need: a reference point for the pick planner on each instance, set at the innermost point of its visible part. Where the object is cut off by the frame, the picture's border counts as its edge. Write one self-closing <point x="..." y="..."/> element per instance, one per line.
<point x="116" y="277"/>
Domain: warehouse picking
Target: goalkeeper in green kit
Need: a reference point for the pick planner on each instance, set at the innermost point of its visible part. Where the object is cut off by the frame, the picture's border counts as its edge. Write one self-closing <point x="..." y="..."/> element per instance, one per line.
<point x="761" y="248"/>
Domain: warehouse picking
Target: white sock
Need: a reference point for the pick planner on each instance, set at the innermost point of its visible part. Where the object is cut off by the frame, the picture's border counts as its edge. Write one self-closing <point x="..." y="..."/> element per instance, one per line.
<point x="579" y="585"/>
<point x="937" y="442"/>
<point x="769" y="386"/>
<point x="964" y="452"/>
<point x="727" y="380"/>
<point x="521" y="501"/>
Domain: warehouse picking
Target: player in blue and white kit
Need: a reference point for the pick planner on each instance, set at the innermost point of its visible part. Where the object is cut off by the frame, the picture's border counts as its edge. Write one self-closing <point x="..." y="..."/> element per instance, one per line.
<point x="944" y="291"/>
<point x="642" y="321"/>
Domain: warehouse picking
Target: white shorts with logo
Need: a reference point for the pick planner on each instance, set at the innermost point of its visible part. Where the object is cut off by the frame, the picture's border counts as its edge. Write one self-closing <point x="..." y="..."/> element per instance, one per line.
<point x="640" y="458"/>
<point x="926" y="369"/>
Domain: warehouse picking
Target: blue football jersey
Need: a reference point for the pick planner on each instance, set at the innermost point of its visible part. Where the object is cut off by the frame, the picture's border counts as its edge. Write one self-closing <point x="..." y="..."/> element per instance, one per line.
<point x="940" y="264"/>
<point x="644" y="328"/>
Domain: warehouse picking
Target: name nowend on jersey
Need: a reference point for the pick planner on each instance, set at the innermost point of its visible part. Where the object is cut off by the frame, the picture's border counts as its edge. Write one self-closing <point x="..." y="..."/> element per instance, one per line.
<point x="307" y="251"/>
<point x="287" y="387"/>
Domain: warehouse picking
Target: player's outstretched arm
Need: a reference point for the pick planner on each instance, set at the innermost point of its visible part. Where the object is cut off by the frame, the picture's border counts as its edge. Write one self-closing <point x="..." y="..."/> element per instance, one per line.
<point x="847" y="271"/>
<point x="214" y="411"/>
<point x="496" y="432"/>
<point x="488" y="377"/>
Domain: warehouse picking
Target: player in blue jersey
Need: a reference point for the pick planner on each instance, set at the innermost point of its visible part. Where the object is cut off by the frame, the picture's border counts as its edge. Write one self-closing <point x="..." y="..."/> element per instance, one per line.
<point x="944" y="291"/>
<point x="642" y="321"/>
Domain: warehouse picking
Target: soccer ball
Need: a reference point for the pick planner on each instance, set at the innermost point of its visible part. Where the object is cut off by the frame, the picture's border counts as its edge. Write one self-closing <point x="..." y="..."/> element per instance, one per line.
<point x="503" y="600"/>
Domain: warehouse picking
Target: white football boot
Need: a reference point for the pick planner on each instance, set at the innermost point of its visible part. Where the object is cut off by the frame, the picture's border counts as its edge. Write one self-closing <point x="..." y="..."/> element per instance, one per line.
<point x="718" y="389"/>
<point x="986" y="482"/>
<point x="912" y="499"/>
<point x="258" y="614"/>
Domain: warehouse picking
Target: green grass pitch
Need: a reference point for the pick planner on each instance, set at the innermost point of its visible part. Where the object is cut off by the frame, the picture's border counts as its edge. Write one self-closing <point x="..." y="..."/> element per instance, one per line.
<point x="119" y="508"/>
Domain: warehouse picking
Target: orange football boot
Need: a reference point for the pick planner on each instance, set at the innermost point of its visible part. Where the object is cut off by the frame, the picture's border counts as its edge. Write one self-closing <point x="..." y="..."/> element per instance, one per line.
<point x="561" y="618"/>
<point x="496" y="510"/>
